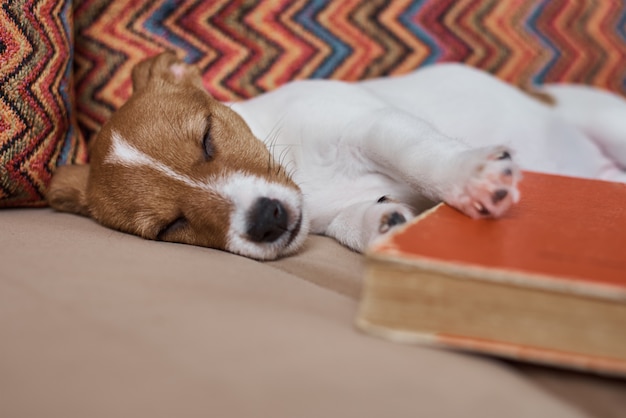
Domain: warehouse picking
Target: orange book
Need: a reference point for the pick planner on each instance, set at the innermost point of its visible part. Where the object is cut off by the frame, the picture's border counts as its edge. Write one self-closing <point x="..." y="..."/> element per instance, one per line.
<point x="545" y="284"/>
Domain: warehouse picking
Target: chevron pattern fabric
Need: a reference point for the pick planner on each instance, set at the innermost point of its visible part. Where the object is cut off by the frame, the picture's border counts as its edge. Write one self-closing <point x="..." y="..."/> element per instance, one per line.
<point x="247" y="47"/>
<point x="37" y="126"/>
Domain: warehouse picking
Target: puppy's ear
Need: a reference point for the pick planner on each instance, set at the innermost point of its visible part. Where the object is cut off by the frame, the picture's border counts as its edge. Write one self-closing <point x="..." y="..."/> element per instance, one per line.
<point x="68" y="189"/>
<point x="142" y="72"/>
<point x="164" y="67"/>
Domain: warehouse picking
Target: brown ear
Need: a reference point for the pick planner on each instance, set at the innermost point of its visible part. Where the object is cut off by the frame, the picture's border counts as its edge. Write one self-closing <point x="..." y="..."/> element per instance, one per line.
<point x="68" y="189"/>
<point x="165" y="67"/>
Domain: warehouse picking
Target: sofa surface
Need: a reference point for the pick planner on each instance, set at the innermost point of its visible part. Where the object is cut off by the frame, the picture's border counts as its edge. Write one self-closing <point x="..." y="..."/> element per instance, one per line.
<point x="97" y="323"/>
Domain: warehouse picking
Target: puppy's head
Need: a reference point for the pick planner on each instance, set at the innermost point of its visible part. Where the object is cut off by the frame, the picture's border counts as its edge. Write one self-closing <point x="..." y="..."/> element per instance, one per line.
<point x="174" y="164"/>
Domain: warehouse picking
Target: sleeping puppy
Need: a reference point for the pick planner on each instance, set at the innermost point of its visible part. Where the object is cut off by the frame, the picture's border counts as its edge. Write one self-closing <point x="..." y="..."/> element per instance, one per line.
<point x="348" y="160"/>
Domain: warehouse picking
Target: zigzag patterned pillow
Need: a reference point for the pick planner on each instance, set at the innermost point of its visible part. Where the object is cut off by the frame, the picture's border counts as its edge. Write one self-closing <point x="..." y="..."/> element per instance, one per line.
<point x="37" y="127"/>
<point x="247" y="47"/>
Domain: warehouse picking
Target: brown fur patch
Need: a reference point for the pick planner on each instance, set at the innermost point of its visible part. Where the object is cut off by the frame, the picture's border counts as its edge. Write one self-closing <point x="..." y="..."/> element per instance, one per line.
<point x="67" y="191"/>
<point x="166" y="119"/>
<point x="541" y="96"/>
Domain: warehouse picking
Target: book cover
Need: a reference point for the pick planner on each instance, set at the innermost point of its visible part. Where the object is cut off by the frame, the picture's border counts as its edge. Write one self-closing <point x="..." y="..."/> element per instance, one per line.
<point x="546" y="283"/>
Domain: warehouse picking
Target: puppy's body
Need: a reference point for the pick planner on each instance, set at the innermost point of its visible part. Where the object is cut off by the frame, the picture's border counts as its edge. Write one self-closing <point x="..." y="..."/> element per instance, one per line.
<point x="459" y="102"/>
<point x="362" y="157"/>
<point x="466" y="103"/>
<point x="326" y="131"/>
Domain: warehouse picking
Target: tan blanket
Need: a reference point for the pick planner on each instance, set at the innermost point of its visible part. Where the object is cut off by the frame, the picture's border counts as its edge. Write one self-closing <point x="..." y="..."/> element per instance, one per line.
<point x="96" y="323"/>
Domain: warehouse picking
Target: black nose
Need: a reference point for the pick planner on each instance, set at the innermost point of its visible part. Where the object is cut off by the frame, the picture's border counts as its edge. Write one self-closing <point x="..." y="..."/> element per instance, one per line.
<point x="267" y="220"/>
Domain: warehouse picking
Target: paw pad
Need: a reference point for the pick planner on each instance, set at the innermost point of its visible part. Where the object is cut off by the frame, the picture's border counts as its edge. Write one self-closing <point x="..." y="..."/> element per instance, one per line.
<point x="389" y="220"/>
<point x="487" y="183"/>
<point x="499" y="195"/>
<point x="505" y="155"/>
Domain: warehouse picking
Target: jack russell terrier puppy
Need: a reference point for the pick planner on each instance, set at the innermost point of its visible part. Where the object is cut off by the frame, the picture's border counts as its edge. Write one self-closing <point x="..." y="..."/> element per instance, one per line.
<point x="348" y="160"/>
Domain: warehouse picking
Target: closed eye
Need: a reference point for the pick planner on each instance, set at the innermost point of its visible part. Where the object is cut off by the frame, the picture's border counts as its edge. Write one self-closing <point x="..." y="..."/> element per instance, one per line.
<point x="176" y="225"/>
<point x="207" y="143"/>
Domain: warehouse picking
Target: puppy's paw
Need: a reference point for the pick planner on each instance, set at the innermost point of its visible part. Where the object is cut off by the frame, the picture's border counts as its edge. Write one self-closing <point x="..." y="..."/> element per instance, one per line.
<point x="359" y="225"/>
<point x="386" y="215"/>
<point x="392" y="218"/>
<point x="486" y="186"/>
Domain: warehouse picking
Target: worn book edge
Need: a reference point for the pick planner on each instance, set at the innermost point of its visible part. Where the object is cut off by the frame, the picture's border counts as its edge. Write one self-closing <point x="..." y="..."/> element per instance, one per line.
<point x="549" y="357"/>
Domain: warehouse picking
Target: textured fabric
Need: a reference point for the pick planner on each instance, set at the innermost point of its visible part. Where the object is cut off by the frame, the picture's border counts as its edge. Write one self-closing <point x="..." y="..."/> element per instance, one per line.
<point x="107" y="324"/>
<point x="37" y="126"/>
<point x="248" y="47"/>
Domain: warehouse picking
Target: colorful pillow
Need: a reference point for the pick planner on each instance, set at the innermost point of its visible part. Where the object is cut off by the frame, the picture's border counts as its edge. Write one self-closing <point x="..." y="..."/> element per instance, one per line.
<point x="248" y="47"/>
<point x="37" y="124"/>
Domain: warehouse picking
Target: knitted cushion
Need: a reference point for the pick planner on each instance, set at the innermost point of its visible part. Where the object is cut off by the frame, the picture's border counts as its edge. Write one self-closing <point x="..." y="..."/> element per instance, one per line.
<point x="37" y="128"/>
<point x="247" y="47"/>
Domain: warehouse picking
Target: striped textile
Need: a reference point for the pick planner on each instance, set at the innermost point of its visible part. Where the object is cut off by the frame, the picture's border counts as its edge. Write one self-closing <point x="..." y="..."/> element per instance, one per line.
<point x="248" y="47"/>
<point x="37" y="126"/>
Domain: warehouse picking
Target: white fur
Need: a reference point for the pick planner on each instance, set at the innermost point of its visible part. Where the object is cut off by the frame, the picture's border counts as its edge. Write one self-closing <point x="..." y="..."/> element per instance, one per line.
<point x="125" y="154"/>
<point x="429" y="136"/>
<point x="243" y="191"/>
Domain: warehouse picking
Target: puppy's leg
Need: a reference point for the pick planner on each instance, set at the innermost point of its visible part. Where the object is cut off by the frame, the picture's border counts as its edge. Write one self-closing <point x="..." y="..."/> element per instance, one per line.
<point x="360" y="224"/>
<point x="479" y="182"/>
<point x="601" y="115"/>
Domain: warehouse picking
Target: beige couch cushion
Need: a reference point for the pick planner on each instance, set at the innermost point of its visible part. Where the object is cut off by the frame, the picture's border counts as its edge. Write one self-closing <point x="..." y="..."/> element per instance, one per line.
<point x="96" y="323"/>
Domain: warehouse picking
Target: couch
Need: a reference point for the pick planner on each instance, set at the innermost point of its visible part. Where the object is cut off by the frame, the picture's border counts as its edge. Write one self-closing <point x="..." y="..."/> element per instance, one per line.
<point x="97" y="323"/>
